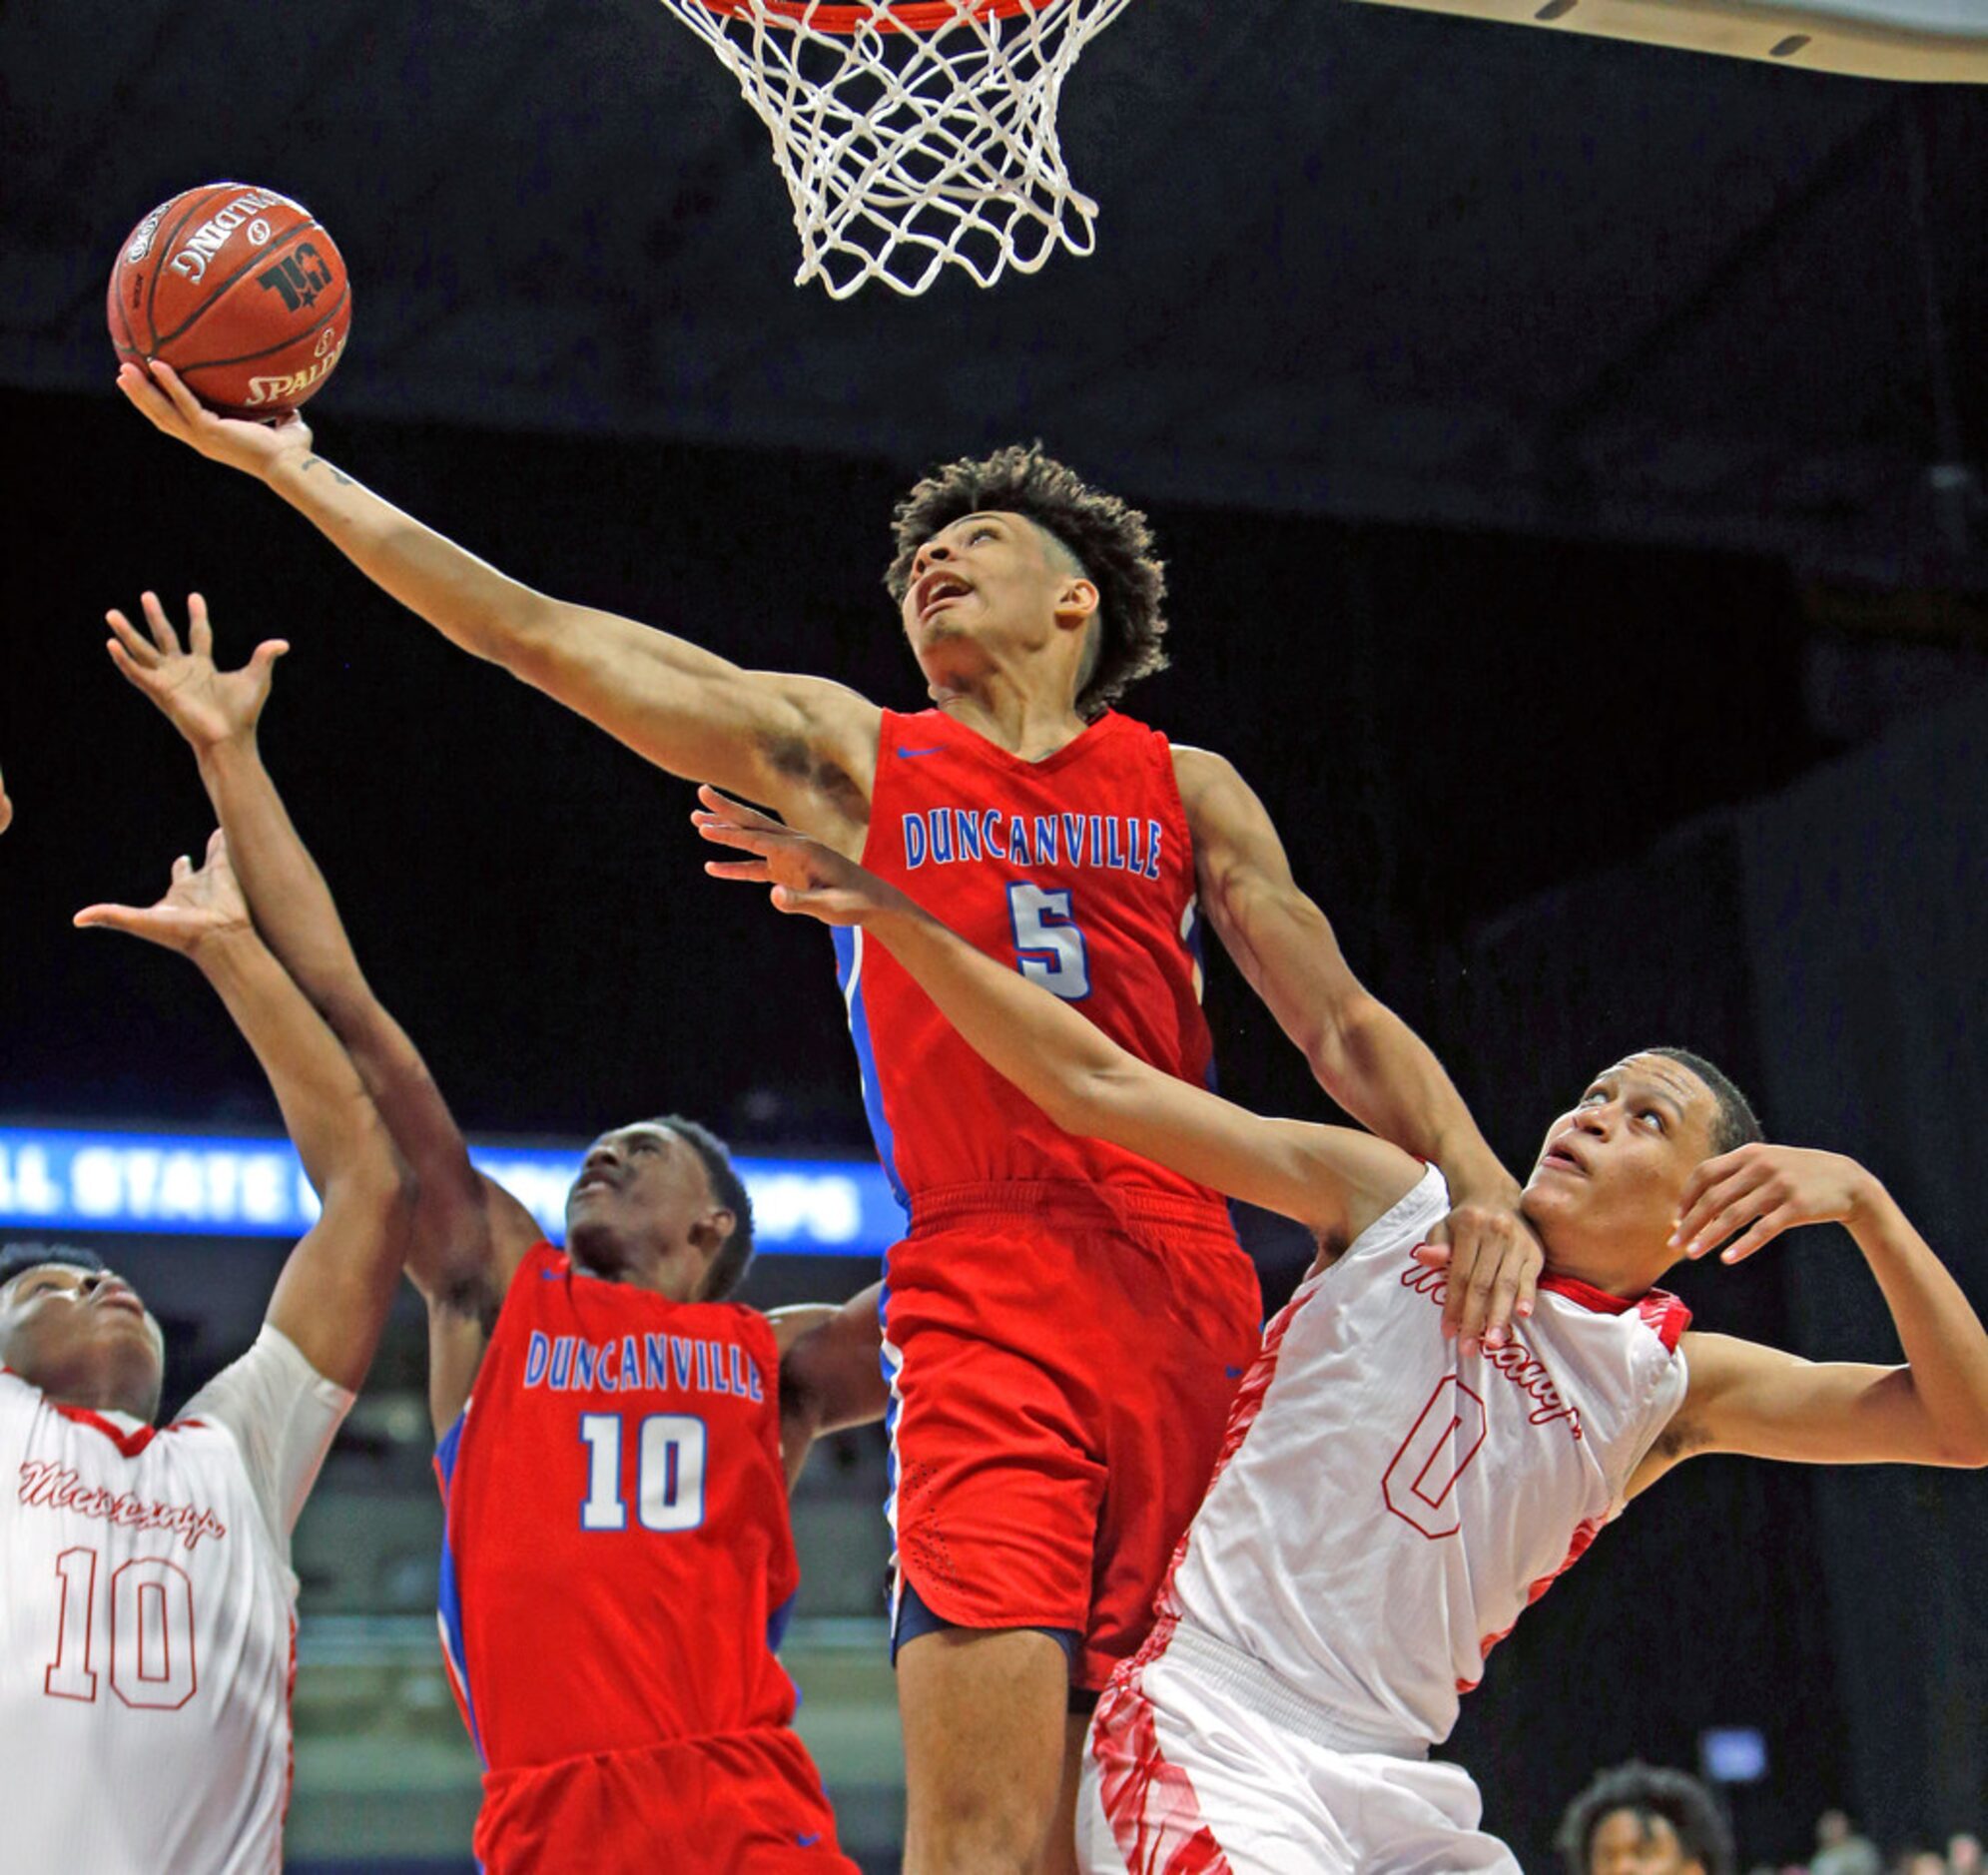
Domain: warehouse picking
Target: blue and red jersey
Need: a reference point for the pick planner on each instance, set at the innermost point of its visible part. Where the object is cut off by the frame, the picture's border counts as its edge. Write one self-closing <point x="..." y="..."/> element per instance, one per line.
<point x="1079" y="871"/>
<point x="618" y="1559"/>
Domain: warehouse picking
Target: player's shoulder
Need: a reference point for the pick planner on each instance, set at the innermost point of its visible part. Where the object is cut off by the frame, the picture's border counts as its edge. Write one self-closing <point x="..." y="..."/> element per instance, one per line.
<point x="740" y="1319"/>
<point x="22" y="1404"/>
<point x="1195" y="767"/>
<point x="1648" y="1330"/>
<point x="1212" y="790"/>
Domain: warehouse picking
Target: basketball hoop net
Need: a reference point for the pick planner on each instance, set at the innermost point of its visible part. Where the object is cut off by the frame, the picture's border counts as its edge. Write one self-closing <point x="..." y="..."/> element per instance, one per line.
<point x="914" y="132"/>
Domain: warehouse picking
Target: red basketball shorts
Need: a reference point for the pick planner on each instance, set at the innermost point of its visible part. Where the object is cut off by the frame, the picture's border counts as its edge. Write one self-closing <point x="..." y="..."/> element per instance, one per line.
<point x="1062" y="1361"/>
<point x="736" y="1803"/>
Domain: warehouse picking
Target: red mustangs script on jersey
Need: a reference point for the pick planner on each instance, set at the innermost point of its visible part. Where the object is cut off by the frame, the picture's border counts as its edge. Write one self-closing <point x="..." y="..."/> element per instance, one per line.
<point x="618" y="1560"/>
<point x="1076" y="870"/>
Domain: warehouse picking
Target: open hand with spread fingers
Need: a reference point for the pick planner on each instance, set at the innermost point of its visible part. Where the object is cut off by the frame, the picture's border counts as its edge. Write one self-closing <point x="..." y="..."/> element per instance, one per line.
<point x="206" y="704"/>
<point x="1753" y="1194"/>
<point x="805" y="875"/>
<point x="1493" y="1259"/>
<point x="201" y="906"/>
<point x="254" y="447"/>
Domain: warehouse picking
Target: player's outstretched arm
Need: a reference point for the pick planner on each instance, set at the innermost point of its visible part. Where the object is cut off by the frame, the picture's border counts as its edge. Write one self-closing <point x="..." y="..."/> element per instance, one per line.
<point x="803" y="744"/>
<point x="1743" y="1397"/>
<point x="469" y="1234"/>
<point x="1331" y="1178"/>
<point x="1363" y="1054"/>
<point x="337" y="1284"/>
<point x="830" y="1371"/>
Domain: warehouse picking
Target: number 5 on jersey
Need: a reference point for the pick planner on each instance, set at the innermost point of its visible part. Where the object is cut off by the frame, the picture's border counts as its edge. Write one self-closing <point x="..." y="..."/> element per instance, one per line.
<point x="1049" y="947"/>
<point x="669" y="1472"/>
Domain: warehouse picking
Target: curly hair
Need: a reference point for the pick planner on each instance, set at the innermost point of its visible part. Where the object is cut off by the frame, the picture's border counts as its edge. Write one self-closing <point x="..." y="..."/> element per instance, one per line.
<point x="1648" y="1793"/>
<point x="1111" y="542"/>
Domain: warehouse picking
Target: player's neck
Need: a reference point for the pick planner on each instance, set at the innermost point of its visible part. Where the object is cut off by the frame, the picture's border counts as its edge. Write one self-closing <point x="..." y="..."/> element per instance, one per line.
<point x="102" y="1392"/>
<point x="658" y="1268"/>
<point x="1627" y="1275"/>
<point x="1029" y="721"/>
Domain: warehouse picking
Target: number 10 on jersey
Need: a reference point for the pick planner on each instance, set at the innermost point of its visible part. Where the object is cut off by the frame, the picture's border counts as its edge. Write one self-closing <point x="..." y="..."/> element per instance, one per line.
<point x="669" y="1472"/>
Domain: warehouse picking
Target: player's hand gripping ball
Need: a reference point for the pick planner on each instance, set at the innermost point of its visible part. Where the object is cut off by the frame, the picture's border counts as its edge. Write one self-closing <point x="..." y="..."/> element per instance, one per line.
<point x="239" y="290"/>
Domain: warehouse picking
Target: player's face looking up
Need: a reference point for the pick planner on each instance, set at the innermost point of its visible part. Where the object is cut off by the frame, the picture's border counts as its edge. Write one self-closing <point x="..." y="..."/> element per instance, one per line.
<point x="83" y="1336"/>
<point x="1604" y="1191"/>
<point x="642" y="1211"/>
<point x="990" y="590"/>
<point x="1628" y="1842"/>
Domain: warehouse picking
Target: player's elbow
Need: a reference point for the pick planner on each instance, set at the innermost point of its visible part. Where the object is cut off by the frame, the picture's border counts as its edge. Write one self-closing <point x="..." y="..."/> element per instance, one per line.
<point x="1080" y="1100"/>
<point x="1332" y="1033"/>
<point x="375" y="1193"/>
<point x="1965" y="1451"/>
<point x="509" y="624"/>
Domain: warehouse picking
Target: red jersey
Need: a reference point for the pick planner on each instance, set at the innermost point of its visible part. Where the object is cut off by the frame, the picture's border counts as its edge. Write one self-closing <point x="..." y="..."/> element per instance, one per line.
<point x="618" y="1560"/>
<point x="1077" y="871"/>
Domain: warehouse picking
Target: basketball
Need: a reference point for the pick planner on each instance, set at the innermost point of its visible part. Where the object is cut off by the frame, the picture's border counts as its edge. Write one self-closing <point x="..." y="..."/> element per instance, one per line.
<point x="239" y="290"/>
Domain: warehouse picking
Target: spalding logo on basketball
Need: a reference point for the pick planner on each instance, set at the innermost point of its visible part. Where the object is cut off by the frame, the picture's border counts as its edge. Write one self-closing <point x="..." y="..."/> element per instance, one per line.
<point x="239" y="290"/>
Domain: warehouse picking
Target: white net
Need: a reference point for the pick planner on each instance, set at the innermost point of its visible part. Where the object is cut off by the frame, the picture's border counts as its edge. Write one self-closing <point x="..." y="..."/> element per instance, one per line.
<point x="914" y="135"/>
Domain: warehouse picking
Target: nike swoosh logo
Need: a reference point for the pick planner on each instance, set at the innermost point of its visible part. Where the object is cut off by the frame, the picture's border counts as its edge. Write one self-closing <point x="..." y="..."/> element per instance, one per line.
<point x="1234" y="1373"/>
<point x="807" y="1842"/>
<point x="909" y="755"/>
<point x="551" y="1276"/>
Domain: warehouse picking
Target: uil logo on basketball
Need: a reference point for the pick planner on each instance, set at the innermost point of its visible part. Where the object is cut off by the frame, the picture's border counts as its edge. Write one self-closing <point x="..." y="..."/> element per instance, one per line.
<point x="298" y="276"/>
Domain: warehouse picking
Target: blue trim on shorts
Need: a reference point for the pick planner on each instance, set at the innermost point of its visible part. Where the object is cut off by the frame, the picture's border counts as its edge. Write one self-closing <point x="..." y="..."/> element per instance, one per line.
<point x="913" y="1618"/>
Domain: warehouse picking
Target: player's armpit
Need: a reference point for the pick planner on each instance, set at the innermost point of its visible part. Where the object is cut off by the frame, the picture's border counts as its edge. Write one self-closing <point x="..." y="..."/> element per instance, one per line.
<point x="464" y="1246"/>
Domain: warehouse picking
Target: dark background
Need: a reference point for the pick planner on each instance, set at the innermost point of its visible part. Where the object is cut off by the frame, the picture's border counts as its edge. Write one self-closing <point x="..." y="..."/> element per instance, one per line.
<point x="1564" y="453"/>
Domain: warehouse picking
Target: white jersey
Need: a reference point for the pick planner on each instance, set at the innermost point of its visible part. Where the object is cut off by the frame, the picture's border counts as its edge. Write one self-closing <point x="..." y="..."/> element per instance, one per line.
<point x="1387" y="1508"/>
<point x="148" y="1620"/>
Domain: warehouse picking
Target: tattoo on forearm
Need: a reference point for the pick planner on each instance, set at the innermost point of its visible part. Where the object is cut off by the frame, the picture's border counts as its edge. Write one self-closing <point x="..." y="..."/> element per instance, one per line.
<point x="337" y="475"/>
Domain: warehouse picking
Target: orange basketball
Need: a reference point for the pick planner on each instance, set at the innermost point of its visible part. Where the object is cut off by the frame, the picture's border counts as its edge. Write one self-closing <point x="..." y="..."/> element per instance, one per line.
<point x="239" y="290"/>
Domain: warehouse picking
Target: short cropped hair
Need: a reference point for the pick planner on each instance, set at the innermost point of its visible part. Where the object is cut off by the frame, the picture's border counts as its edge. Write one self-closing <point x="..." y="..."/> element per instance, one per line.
<point x="1111" y="542"/>
<point x="1734" y="1123"/>
<point x="735" y="1254"/>
<point x="17" y="1257"/>
<point x="1648" y="1793"/>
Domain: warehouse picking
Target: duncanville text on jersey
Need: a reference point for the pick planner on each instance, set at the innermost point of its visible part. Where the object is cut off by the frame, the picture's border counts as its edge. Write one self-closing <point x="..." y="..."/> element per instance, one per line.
<point x="630" y="1362"/>
<point x="1124" y="842"/>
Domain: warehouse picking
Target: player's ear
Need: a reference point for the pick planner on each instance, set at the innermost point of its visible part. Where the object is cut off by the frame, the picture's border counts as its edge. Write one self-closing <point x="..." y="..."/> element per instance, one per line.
<point x="711" y="1232"/>
<point x="1076" y="603"/>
